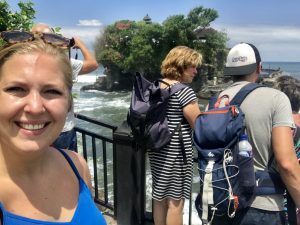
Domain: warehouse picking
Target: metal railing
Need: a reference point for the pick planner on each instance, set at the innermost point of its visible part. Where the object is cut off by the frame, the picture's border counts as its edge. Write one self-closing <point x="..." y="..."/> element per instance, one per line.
<point x="93" y="145"/>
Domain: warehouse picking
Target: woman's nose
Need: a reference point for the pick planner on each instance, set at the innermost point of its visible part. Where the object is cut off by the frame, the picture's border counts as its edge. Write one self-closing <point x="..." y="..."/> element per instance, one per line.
<point x="34" y="103"/>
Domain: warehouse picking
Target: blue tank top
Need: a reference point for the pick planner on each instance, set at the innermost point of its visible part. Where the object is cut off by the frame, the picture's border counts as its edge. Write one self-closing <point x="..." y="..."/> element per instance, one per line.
<point x="86" y="212"/>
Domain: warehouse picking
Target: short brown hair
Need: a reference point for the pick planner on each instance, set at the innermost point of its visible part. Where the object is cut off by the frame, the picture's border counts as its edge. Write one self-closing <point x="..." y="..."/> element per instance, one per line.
<point x="178" y="59"/>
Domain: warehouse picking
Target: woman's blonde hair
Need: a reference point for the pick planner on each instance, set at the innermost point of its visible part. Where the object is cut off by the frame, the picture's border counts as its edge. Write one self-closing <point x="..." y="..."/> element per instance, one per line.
<point x="6" y="52"/>
<point x="179" y="59"/>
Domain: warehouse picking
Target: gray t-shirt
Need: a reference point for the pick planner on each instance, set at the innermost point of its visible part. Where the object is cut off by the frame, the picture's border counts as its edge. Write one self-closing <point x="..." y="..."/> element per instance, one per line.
<point x="70" y="120"/>
<point x="264" y="108"/>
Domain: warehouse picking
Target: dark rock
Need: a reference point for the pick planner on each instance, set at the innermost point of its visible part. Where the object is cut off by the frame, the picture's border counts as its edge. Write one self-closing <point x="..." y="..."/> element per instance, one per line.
<point x="210" y="90"/>
<point x="214" y="87"/>
<point x="100" y="85"/>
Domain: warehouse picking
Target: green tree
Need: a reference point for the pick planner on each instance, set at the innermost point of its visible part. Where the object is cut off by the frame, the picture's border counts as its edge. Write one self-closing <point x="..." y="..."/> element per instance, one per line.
<point x="22" y="20"/>
<point x="180" y="30"/>
<point x="145" y="48"/>
<point x="175" y="31"/>
<point x="201" y="17"/>
<point x="129" y="46"/>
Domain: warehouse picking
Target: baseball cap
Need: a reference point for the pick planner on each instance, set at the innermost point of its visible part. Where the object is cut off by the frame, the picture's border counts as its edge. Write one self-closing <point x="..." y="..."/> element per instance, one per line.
<point x="242" y="59"/>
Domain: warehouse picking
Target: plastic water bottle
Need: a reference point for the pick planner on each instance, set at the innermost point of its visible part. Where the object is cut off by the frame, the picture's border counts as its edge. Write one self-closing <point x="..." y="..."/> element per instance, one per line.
<point x="245" y="148"/>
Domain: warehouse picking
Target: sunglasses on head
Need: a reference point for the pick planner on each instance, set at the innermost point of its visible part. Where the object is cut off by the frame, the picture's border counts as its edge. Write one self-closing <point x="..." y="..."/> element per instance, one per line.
<point x="12" y="37"/>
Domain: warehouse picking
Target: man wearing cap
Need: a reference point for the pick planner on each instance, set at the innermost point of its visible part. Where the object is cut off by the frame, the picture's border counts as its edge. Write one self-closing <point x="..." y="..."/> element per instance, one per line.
<point x="268" y="124"/>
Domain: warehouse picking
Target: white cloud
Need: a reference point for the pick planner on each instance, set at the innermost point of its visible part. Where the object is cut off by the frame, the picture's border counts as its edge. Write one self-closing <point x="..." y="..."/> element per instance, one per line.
<point x="275" y="43"/>
<point x="91" y="23"/>
<point x="87" y="34"/>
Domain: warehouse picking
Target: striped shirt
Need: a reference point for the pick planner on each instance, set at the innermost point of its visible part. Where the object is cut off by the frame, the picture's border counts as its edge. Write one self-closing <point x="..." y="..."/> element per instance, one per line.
<point x="171" y="177"/>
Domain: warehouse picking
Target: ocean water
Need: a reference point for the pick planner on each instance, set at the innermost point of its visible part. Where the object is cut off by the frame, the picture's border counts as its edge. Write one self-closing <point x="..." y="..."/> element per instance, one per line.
<point x="112" y="108"/>
<point x="289" y="68"/>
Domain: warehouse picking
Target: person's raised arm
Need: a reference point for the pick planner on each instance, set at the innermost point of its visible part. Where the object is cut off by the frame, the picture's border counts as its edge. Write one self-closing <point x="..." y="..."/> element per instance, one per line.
<point x="89" y="61"/>
<point x="287" y="162"/>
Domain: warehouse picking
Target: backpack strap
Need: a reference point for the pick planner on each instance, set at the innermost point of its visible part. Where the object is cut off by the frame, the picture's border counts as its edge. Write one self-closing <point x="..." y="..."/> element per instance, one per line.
<point x="271" y="183"/>
<point x="177" y="87"/>
<point x="238" y="98"/>
<point x="70" y="161"/>
<point x="178" y="128"/>
<point x="242" y="94"/>
<point x="291" y="209"/>
<point x="173" y="88"/>
<point x="213" y="100"/>
<point x="1" y="214"/>
<point x="297" y="142"/>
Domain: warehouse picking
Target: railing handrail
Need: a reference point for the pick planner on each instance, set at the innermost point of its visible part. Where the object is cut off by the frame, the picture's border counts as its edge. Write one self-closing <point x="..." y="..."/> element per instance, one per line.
<point x="132" y="164"/>
<point x="91" y="133"/>
<point x="95" y="121"/>
<point x="104" y="139"/>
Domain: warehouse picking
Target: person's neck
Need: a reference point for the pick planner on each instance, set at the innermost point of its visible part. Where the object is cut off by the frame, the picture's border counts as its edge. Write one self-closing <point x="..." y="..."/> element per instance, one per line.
<point x="22" y="165"/>
<point x="250" y="78"/>
<point x="170" y="81"/>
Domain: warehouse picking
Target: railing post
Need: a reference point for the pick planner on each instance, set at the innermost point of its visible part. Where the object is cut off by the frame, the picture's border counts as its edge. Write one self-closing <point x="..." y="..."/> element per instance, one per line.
<point x="129" y="167"/>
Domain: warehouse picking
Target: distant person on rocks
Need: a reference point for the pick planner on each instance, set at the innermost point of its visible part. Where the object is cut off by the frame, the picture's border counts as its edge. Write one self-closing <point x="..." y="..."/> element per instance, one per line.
<point x="67" y="139"/>
<point x="291" y="87"/>
<point x="171" y="176"/>
<point x="39" y="184"/>
<point x="269" y="122"/>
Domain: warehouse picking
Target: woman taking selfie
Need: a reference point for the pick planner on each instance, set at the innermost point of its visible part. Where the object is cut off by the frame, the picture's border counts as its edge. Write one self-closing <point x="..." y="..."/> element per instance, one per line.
<point x="39" y="184"/>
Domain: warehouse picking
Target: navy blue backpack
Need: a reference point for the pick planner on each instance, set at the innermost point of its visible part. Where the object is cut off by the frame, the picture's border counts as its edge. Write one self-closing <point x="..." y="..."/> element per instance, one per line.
<point x="147" y="113"/>
<point x="223" y="187"/>
<point x="227" y="179"/>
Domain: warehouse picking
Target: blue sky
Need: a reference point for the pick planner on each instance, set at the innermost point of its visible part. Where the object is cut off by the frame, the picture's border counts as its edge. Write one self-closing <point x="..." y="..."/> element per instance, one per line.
<point x="272" y="25"/>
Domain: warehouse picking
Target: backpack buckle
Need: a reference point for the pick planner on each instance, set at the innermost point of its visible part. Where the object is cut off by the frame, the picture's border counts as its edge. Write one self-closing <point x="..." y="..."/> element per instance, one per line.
<point x="219" y="100"/>
<point x="234" y="110"/>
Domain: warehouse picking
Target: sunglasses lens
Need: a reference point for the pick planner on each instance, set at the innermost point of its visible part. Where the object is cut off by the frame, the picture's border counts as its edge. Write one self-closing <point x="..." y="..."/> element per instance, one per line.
<point x="16" y="36"/>
<point x="55" y="39"/>
<point x="13" y="37"/>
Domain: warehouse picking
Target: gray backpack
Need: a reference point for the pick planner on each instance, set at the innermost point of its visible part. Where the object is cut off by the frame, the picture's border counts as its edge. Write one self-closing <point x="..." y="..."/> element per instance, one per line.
<point x="147" y="113"/>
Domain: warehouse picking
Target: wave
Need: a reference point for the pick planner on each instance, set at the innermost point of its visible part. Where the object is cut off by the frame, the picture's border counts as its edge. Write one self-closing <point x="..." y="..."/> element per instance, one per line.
<point x="89" y="78"/>
<point x="87" y="105"/>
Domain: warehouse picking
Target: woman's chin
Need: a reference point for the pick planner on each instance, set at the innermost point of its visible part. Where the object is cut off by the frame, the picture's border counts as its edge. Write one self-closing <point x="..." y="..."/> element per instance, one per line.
<point x="32" y="146"/>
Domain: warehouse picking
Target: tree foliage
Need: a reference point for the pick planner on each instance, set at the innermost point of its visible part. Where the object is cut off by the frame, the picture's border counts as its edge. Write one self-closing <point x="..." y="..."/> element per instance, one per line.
<point x="202" y="17"/>
<point x="130" y="46"/>
<point x="22" y="20"/>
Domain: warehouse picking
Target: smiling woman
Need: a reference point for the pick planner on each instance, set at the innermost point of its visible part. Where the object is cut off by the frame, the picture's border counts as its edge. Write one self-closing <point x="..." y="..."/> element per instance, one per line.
<point x="35" y="96"/>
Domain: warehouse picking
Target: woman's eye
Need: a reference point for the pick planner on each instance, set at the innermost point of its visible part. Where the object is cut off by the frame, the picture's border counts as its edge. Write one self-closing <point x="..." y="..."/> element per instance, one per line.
<point x="54" y="92"/>
<point x="15" y="90"/>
